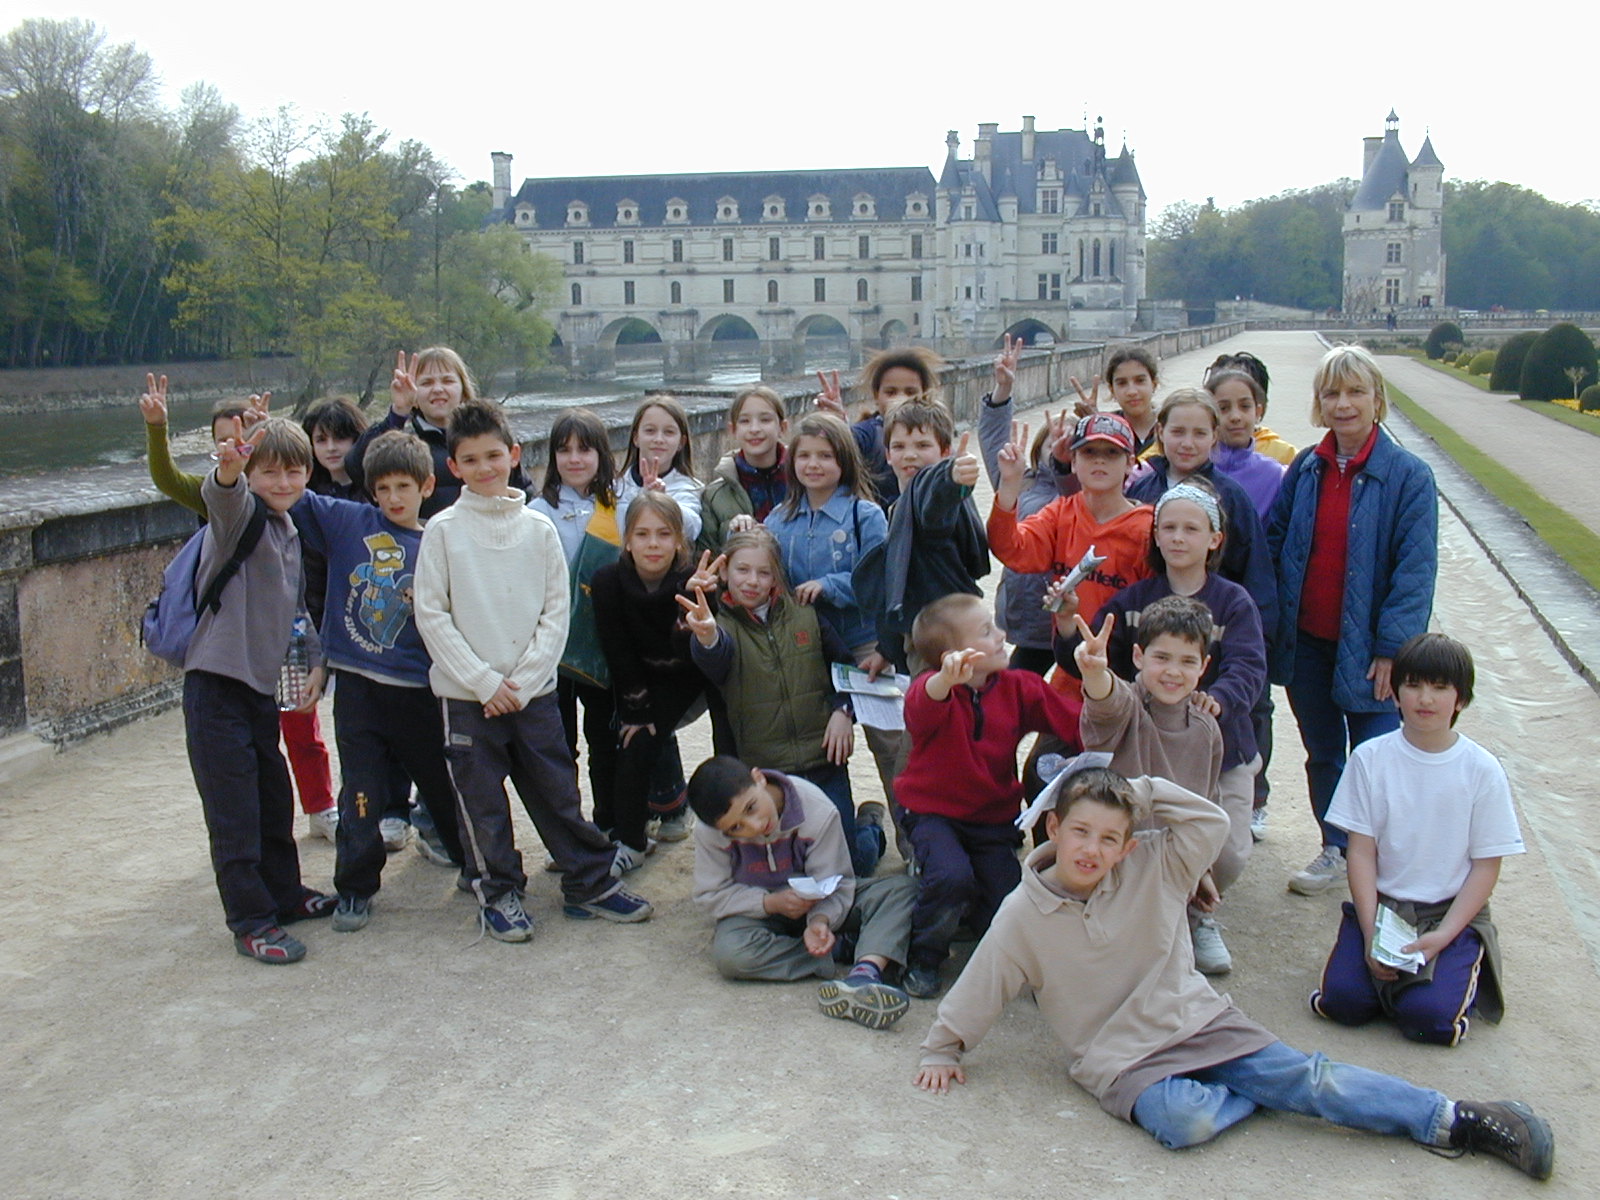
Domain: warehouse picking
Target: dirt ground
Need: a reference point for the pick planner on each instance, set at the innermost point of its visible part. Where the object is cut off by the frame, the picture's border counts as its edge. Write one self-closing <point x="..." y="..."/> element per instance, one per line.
<point x="140" y="1057"/>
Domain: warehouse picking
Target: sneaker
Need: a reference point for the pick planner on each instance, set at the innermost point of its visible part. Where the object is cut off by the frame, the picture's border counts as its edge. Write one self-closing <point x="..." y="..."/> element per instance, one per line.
<point x="1506" y="1129"/>
<point x="270" y="945"/>
<point x="313" y="906"/>
<point x="1211" y="955"/>
<point x="1258" y="824"/>
<point x="674" y="828"/>
<point x="505" y="920"/>
<point x="628" y="859"/>
<point x="395" y="833"/>
<point x="324" y="824"/>
<point x="921" y="982"/>
<point x="430" y="847"/>
<point x="620" y="906"/>
<point x="1324" y="871"/>
<point x="352" y="914"/>
<point x="863" y="998"/>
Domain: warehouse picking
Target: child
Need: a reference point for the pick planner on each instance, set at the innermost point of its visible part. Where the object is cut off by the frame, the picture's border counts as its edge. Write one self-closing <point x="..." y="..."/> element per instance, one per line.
<point x="1266" y="442"/>
<point x="230" y="684"/>
<point x="759" y="830"/>
<point x="769" y="656"/>
<point x="960" y="789"/>
<point x="1091" y="933"/>
<point x="1239" y="398"/>
<point x="654" y="682"/>
<point x="1132" y="376"/>
<point x="1429" y="815"/>
<point x="890" y="376"/>
<point x="423" y="392"/>
<point x="750" y="482"/>
<point x="302" y="732"/>
<point x="491" y="602"/>
<point x="384" y="715"/>
<point x="580" y="498"/>
<point x="334" y="426"/>
<point x="661" y="459"/>
<point x="1151" y="728"/>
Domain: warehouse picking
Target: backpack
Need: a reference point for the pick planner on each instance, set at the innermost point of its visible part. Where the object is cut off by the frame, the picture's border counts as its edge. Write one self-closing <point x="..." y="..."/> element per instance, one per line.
<point x="170" y="619"/>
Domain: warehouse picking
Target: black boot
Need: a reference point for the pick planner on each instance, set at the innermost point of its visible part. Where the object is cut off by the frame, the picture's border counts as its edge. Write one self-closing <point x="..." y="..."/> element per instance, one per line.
<point x="1506" y="1129"/>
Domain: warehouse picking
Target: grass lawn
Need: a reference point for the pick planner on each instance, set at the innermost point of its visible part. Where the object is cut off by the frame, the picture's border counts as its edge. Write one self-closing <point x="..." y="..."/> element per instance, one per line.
<point x="1566" y="416"/>
<point x="1569" y="538"/>
<point x="1481" y="382"/>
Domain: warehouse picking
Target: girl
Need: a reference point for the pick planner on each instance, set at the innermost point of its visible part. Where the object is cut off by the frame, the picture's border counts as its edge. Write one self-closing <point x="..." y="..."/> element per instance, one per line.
<point x="1188" y="424"/>
<point x="579" y="495"/>
<point x="334" y="426"/>
<point x="1239" y="399"/>
<point x="1185" y="550"/>
<point x="769" y="656"/>
<point x="890" y="376"/>
<point x="1132" y="376"/>
<point x="655" y="684"/>
<point x="750" y="482"/>
<point x="661" y="459"/>
<point x="1267" y="442"/>
<point x="1354" y="536"/>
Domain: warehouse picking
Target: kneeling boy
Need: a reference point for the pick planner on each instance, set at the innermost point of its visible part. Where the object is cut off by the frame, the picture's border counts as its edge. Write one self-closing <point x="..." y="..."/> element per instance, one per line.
<point x="1095" y="932"/>
<point x="760" y="830"/>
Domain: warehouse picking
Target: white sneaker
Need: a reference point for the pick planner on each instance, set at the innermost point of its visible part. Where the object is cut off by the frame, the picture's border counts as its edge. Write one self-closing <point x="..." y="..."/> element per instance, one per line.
<point x="1325" y="871"/>
<point x="1211" y="955"/>
<point x="395" y="833"/>
<point x="674" y="828"/>
<point x="324" y="824"/>
<point x="628" y="859"/>
<point x="1258" y="824"/>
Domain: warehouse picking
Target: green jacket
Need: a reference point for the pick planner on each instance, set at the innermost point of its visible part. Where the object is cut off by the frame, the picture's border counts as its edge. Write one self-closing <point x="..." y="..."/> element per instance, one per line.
<point x="724" y="499"/>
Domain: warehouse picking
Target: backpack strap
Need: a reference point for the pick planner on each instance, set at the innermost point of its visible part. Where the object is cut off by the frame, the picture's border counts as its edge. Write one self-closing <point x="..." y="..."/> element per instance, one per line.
<point x="248" y="540"/>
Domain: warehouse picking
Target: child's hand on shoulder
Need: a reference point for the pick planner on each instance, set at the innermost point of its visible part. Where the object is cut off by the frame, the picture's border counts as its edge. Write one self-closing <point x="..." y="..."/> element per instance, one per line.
<point x="809" y="592"/>
<point x="939" y="1077"/>
<point x="965" y="470"/>
<point x="153" y="404"/>
<point x="697" y="616"/>
<point x="819" y="939"/>
<point x="741" y="523"/>
<point x="1205" y="702"/>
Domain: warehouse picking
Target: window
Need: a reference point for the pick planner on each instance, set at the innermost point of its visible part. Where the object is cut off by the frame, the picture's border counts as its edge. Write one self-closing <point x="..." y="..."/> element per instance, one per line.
<point x="819" y="290"/>
<point x="1080" y="258"/>
<point x="727" y="291"/>
<point x="1094" y="209"/>
<point x="966" y="212"/>
<point x="1049" y="243"/>
<point x="916" y="245"/>
<point x="1049" y="201"/>
<point x="1391" y="291"/>
<point x="969" y="293"/>
<point x="627" y="250"/>
<point x="727" y="249"/>
<point x="1050" y="286"/>
<point x="1097" y="257"/>
<point x="916" y="287"/>
<point x="863" y="246"/>
<point x="677" y="292"/>
<point x="577" y="253"/>
<point x="774" y="249"/>
<point x="819" y="248"/>
<point x="861" y="291"/>
<point x="966" y="250"/>
<point x="577" y="294"/>
<point x="627" y="291"/>
<point x="772" y="291"/>
<point x="1392" y="254"/>
<point x="677" y="249"/>
<point x="1397" y="210"/>
<point x="1111" y="257"/>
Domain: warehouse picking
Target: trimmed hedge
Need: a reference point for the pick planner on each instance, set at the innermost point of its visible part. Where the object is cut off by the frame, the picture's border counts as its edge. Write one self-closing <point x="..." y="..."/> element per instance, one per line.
<point x="1507" y="373"/>
<point x="1589" y="401"/>
<point x="1482" y="362"/>
<point x="1445" y="333"/>
<point x="1544" y="369"/>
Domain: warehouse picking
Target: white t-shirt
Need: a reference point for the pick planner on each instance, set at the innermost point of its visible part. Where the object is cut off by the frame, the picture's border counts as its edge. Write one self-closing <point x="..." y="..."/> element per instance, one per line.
<point x="1431" y="814"/>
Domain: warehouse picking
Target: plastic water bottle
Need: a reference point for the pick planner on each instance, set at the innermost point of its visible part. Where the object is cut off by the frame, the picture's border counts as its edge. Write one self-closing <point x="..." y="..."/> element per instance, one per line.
<point x="294" y="678"/>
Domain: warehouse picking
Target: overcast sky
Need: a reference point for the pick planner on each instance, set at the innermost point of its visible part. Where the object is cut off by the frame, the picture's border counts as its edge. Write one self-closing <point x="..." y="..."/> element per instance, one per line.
<point x="1227" y="100"/>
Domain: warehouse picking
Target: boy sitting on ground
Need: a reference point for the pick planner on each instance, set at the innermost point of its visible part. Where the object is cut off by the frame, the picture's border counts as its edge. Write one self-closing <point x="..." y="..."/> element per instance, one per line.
<point x="1429" y="815"/>
<point x="759" y="831"/>
<point x="1093" y="931"/>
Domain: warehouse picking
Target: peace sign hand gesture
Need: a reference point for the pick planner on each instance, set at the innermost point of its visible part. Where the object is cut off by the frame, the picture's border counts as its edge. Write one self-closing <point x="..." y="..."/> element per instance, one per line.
<point x="232" y="452"/>
<point x="1089" y="401"/>
<point x="707" y="573"/>
<point x="830" y="397"/>
<point x="1092" y="656"/>
<point x="1005" y="368"/>
<point x="403" y="386"/>
<point x="697" y="616"/>
<point x="1013" y="455"/>
<point x="650" y="474"/>
<point x="153" y="404"/>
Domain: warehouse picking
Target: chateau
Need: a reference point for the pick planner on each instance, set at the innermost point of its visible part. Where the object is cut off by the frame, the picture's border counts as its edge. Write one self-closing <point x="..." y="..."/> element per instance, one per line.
<point x="1039" y="234"/>
<point x="1393" y="234"/>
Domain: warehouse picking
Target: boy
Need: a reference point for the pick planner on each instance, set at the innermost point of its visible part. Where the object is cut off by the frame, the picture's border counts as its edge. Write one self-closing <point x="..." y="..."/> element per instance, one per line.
<point x="491" y="604"/>
<point x="1091" y="932"/>
<point x="959" y="788"/>
<point x="759" y="830"/>
<point x="1429" y="815"/>
<point x="383" y="712"/>
<point x="1151" y="728"/>
<point x="230" y="683"/>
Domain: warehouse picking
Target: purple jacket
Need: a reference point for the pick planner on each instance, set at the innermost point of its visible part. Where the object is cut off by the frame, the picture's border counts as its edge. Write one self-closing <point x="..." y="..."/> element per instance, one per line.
<point x="1258" y="475"/>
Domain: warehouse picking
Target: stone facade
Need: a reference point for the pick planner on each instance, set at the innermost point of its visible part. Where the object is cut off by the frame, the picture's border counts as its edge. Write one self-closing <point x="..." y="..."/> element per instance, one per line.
<point x="1393" y="230"/>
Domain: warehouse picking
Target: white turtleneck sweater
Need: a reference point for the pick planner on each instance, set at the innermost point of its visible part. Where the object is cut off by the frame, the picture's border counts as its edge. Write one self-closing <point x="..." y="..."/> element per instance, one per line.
<point x="491" y="599"/>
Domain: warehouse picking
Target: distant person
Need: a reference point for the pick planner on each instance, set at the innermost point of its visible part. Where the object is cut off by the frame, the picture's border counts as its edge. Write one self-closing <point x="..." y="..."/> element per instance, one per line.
<point x="1354" y="535"/>
<point x="750" y="481"/>
<point x="890" y="376"/>
<point x="1132" y="375"/>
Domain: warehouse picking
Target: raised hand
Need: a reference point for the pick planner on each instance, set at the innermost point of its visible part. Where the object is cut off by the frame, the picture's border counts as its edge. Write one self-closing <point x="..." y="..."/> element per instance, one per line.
<point x="1013" y="455"/>
<point x="258" y="407"/>
<point x="1059" y="439"/>
<point x="957" y="666"/>
<point x="965" y="470"/>
<point x="1091" y="653"/>
<point x="153" y="404"/>
<point x="650" y="474"/>
<point x="707" y="573"/>
<point x="1088" y="402"/>
<point x="233" y="450"/>
<point x="697" y="616"/>
<point x="1005" y="368"/>
<point x="830" y="397"/>
<point x="403" y="386"/>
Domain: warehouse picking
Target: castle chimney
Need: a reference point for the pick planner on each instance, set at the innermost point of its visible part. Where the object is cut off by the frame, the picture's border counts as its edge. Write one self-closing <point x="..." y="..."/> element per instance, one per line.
<point x="983" y="150"/>
<point x="1027" y="139"/>
<point x="502" y="179"/>
<point x="1369" y="151"/>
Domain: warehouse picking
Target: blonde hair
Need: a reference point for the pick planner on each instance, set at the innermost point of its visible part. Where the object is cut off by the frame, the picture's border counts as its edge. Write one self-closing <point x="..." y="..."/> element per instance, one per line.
<point x="284" y="444"/>
<point x="759" y="538"/>
<point x="1189" y="395"/>
<point x="1340" y="367"/>
<point x="453" y="362"/>
<point x="933" y="633"/>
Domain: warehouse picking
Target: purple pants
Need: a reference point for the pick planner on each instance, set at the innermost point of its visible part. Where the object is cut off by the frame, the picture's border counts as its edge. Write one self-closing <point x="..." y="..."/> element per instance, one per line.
<point x="1433" y="1010"/>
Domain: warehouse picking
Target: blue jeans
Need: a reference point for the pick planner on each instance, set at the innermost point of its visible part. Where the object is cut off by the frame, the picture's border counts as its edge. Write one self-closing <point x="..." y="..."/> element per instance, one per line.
<point x="1328" y="731"/>
<point x="866" y="842"/>
<point x="1185" y="1110"/>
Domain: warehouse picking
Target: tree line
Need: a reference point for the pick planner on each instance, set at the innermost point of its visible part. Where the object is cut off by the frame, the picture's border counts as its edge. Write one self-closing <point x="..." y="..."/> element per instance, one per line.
<point x="130" y="233"/>
<point x="1505" y="245"/>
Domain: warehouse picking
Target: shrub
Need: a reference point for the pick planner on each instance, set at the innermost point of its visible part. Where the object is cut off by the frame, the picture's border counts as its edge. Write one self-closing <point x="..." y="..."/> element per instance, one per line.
<point x="1445" y="333"/>
<point x="1507" y="373"/>
<point x="1544" y="370"/>
<point x="1590" y="400"/>
<point x="1449" y="356"/>
<point x="1482" y="362"/>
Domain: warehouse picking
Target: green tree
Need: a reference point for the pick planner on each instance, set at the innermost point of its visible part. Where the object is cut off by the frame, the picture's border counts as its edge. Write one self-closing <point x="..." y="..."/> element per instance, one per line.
<point x="491" y="294"/>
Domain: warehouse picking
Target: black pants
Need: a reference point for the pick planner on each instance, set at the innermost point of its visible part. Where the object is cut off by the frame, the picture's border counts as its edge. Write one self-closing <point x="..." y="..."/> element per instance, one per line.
<point x="636" y="771"/>
<point x="599" y="735"/>
<point x="232" y="734"/>
<point x="966" y="869"/>
<point x="385" y="733"/>
<point x="531" y="748"/>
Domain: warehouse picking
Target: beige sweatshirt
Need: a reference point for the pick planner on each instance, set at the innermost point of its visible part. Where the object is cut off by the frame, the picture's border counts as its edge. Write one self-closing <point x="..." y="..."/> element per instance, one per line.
<point x="1145" y="737"/>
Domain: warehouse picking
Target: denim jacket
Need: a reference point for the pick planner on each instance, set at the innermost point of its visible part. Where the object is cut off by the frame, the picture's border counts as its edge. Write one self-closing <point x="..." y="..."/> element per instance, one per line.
<point x="825" y="544"/>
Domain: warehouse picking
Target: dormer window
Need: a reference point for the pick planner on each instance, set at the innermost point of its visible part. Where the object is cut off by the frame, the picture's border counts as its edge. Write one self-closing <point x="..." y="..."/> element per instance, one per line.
<point x="727" y="209"/>
<point x="577" y="213"/>
<point x="818" y="208"/>
<point x="772" y="208"/>
<point x="1397" y="210"/>
<point x="525" y="213"/>
<point x="677" y="211"/>
<point x="917" y="205"/>
<point x="864" y="206"/>
<point x="627" y="212"/>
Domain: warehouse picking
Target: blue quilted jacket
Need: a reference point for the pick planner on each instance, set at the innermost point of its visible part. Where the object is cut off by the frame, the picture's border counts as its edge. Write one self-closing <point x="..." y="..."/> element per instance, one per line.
<point x="1390" y="567"/>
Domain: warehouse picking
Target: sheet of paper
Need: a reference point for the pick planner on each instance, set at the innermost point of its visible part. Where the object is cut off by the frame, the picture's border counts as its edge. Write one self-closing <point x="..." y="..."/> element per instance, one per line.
<point x="1393" y="932"/>
<point x="814" y="889"/>
<point x="854" y="680"/>
<point x="879" y="712"/>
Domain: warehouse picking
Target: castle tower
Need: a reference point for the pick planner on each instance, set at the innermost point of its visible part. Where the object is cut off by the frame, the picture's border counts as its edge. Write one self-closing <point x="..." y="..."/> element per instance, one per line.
<point x="1393" y="229"/>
